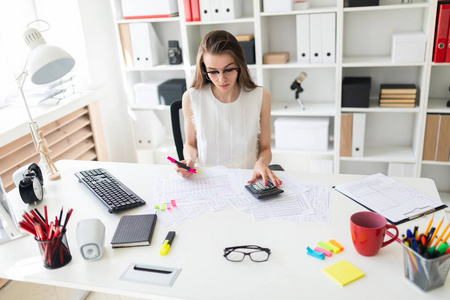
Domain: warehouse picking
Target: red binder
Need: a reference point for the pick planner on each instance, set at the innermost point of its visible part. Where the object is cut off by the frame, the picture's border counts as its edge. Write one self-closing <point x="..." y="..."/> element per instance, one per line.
<point x="195" y="7"/>
<point x="442" y="24"/>
<point x="187" y="10"/>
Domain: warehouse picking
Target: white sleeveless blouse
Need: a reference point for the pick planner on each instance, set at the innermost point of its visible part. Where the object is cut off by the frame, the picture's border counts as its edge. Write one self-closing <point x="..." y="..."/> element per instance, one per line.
<point x="227" y="133"/>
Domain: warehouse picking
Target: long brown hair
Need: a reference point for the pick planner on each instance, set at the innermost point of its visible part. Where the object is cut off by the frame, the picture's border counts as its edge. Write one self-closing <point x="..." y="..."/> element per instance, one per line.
<point x="219" y="42"/>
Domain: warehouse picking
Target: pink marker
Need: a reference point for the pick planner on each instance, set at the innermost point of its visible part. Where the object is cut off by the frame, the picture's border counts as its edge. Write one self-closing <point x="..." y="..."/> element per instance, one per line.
<point x="181" y="165"/>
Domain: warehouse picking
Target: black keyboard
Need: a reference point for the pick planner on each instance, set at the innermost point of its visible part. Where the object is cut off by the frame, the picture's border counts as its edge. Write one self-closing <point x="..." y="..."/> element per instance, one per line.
<point x="113" y="193"/>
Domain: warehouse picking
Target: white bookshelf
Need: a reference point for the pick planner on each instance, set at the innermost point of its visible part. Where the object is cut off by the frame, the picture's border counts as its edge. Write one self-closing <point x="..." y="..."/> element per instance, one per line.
<point x="363" y="48"/>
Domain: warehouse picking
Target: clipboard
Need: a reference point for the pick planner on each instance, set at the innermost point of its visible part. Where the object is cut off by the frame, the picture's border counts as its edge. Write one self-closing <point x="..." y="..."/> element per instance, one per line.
<point x="388" y="197"/>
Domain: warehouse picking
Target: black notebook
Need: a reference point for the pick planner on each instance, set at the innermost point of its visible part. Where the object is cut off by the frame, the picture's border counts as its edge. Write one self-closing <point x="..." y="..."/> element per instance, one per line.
<point x="134" y="230"/>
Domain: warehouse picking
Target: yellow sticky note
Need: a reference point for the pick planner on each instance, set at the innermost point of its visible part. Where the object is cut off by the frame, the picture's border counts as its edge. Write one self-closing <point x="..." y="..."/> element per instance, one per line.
<point x="343" y="272"/>
<point x="334" y="249"/>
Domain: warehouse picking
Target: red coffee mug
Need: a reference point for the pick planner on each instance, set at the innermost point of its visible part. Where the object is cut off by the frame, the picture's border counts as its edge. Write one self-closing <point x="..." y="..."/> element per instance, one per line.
<point x="368" y="230"/>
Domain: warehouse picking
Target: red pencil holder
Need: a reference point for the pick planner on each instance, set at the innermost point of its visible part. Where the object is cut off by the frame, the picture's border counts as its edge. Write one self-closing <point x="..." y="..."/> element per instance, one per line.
<point x="55" y="252"/>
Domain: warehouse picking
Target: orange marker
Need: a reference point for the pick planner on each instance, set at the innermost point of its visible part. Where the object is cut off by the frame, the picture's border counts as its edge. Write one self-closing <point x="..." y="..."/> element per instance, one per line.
<point x="441" y="236"/>
<point x="435" y="232"/>
<point x="446" y="238"/>
<point x="429" y="225"/>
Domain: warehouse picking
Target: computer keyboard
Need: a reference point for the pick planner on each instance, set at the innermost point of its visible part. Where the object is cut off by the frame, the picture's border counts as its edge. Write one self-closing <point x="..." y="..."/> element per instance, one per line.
<point x="113" y="193"/>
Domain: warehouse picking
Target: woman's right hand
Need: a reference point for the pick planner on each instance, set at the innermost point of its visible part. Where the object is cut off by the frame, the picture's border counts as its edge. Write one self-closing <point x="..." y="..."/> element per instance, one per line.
<point x="183" y="172"/>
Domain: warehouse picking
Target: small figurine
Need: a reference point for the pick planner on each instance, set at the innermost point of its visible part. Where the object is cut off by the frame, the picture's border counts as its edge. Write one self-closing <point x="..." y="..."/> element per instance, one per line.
<point x="43" y="149"/>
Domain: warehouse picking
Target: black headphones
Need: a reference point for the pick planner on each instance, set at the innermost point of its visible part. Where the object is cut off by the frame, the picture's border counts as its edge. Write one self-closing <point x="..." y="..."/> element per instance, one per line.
<point x="30" y="187"/>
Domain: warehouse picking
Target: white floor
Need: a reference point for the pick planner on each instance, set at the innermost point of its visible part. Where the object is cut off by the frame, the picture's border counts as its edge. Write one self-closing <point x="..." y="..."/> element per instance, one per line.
<point x="15" y="290"/>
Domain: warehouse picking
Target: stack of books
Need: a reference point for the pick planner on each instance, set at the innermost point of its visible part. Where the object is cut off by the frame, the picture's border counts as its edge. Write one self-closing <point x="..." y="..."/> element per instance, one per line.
<point x="398" y="95"/>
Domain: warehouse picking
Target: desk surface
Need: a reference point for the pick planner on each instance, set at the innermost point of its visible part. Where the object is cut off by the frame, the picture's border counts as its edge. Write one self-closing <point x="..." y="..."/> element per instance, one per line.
<point x="199" y="243"/>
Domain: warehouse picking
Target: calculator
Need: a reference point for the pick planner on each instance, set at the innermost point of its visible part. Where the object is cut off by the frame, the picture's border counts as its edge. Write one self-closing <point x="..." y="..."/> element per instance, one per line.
<point x="259" y="191"/>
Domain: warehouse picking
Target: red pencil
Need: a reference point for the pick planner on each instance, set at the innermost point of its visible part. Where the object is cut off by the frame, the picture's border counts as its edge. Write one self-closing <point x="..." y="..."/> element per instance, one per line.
<point x="46" y="215"/>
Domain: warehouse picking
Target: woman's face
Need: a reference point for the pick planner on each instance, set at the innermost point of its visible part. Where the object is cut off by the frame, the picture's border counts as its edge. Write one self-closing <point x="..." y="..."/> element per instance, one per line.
<point x="214" y="63"/>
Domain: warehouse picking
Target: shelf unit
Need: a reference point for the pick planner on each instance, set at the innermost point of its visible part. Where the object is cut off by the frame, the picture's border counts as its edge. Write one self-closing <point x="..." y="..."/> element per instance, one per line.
<point x="363" y="48"/>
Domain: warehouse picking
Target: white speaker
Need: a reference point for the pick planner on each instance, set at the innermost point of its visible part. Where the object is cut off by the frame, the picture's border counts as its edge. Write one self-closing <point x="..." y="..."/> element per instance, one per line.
<point x="91" y="238"/>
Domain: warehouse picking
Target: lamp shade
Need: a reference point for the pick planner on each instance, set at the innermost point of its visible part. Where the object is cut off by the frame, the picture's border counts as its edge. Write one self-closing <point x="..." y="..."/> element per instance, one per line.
<point x="48" y="63"/>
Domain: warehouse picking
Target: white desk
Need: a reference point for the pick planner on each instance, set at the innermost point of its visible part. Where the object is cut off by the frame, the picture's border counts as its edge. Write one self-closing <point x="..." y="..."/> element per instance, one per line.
<point x="198" y="248"/>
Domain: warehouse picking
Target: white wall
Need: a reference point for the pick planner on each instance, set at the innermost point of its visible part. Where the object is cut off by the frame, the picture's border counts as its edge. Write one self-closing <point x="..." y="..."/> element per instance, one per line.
<point x="102" y="52"/>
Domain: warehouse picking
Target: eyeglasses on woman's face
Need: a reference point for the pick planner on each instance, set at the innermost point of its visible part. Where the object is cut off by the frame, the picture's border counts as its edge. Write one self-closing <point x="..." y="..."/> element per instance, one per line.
<point x="238" y="253"/>
<point x="228" y="73"/>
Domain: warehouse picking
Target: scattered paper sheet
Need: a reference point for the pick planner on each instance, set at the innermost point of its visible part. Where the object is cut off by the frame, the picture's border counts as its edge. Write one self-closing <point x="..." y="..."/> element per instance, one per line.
<point x="219" y="188"/>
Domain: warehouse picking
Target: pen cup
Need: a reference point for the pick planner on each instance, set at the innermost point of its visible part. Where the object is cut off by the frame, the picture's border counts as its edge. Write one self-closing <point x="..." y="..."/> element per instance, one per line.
<point x="55" y="252"/>
<point x="426" y="274"/>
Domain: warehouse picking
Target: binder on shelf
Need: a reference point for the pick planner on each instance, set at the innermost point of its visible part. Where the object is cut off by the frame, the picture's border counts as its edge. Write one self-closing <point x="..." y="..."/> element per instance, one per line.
<point x="149" y="130"/>
<point x="443" y="142"/>
<point x="358" y="134"/>
<point x="187" y="10"/>
<point x="125" y="41"/>
<point x="400" y="170"/>
<point x="441" y="37"/>
<point x="302" y="28"/>
<point x="147" y="48"/>
<point x="195" y="10"/>
<point x="315" y="26"/>
<point x="231" y="9"/>
<point x="205" y="10"/>
<point x="216" y="10"/>
<point x="328" y="37"/>
<point x="431" y="135"/>
<point x="346" y="134"/>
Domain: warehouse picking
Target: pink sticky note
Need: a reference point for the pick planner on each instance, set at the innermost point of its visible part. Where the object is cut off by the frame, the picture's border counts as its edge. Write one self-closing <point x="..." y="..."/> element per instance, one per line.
<point x="326" y="252"/>
<point x="168" y="206"/>
<point x="174" y="204"/>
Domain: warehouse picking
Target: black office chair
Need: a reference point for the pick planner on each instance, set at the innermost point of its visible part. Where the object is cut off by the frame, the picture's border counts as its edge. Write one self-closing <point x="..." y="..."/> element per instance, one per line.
<point x="175" y="109"/>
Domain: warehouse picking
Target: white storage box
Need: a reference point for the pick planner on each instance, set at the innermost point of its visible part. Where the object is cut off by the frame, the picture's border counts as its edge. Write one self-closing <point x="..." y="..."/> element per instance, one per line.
<point x="305" y="133"/>
<point x="277" y="5"/>
<point x="144" y="9"/>
<point x="146" y="93"/>
<point x="408" y="47"/>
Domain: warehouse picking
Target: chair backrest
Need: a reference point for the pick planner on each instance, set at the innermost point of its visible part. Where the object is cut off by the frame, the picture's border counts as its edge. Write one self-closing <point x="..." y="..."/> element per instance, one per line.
<point x="175" y="109"/>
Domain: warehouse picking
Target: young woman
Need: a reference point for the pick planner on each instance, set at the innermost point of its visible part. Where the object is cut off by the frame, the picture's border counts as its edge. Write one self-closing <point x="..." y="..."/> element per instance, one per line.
<point x="226" y="115"/>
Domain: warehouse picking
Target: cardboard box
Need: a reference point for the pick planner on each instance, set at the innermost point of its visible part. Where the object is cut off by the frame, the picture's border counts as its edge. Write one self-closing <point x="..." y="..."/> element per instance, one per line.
<point x="146" y="93"/>
<point x="302" y="133"/>
<point x="355" y="91"/>
<point x="244" y="37"/>
<point x="277" y="5"/>
<point x="144" y="9"/>
<point x="408" y="47"/>
<point x="276" y="58"/>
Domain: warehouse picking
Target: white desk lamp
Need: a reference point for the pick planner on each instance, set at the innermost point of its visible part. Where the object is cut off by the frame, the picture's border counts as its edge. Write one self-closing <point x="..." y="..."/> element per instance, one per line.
<point x="46" y="63"/>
